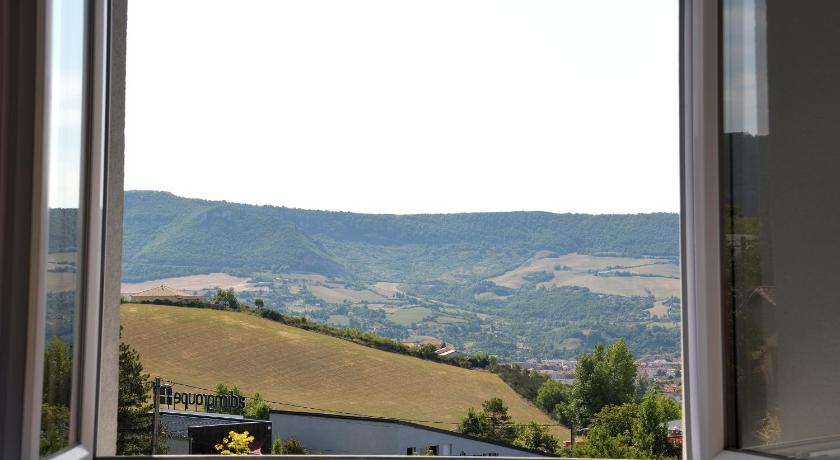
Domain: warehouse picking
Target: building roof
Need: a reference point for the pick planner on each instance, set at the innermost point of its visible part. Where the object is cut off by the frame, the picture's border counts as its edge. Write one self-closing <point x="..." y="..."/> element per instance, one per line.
<point x="409" y="424"/>
<point x="162" y="291"/>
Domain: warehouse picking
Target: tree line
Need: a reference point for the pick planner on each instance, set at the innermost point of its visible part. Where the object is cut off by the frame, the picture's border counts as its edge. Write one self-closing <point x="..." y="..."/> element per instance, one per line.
<point x="619" y="419"/>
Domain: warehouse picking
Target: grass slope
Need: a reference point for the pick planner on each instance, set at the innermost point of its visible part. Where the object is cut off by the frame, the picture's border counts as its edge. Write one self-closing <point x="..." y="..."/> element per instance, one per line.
<point x="203" y="347"/>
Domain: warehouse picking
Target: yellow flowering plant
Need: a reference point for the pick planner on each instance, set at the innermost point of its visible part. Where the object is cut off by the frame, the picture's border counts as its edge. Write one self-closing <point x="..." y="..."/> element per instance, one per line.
<point x="235" y="444"/>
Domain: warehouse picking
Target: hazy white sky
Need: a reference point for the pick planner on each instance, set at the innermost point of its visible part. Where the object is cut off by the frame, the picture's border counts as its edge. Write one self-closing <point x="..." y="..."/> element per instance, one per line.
<point x="406" y="106"/>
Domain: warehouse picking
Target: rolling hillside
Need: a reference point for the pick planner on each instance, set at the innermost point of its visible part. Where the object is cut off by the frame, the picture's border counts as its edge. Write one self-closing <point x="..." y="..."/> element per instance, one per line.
<point x="518" y="285"/>
<point x="166" y="235"/>
<point x="203" y="347"/>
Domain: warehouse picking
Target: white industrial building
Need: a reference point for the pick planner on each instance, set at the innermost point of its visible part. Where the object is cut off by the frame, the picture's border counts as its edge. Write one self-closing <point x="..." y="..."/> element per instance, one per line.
<point x="330" y="434"/>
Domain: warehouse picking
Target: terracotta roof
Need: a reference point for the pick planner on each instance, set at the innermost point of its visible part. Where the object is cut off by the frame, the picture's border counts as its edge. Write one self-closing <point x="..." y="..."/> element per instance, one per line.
<point x="162" y="291"/>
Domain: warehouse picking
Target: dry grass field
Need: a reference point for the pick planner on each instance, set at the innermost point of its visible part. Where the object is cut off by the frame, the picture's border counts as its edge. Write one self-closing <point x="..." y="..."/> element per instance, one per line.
<point x="203" y="347"/>
<point x="193" y="283"/>
<point x="576" y="270"/>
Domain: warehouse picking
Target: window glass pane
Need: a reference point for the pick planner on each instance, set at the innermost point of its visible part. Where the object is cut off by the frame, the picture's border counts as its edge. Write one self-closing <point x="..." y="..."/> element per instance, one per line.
<point x="64" y="220"/>
<point x="780" y="165"/>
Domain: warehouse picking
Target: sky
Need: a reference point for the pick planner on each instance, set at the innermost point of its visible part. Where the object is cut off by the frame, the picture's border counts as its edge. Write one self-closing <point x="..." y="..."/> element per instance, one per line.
<point x="407" y="106"/>
<point x="65" y="102"/>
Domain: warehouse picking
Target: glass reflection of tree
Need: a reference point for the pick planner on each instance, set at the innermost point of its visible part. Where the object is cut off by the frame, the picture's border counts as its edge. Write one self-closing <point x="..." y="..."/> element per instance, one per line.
<point x="752" y="299"/>
<point x="61" y="304"/>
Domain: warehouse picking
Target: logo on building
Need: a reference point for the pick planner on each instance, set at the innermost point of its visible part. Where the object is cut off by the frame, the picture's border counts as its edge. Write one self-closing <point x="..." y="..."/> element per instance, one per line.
<point x="211" y="402"/>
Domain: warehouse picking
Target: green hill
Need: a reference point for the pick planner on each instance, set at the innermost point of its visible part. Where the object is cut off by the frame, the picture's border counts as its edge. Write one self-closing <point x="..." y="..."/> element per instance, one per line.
<point x="203" y="347"/>
<point x="165" y="235"/>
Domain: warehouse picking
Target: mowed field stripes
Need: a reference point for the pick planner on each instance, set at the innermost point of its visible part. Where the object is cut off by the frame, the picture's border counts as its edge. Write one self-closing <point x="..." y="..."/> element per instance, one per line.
<point x="204" y="347"/>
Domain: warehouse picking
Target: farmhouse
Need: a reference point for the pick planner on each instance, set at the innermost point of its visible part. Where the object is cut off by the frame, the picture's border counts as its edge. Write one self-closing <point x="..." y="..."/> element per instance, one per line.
<point x="356" y="435"/>
<point x="165" y="294"/>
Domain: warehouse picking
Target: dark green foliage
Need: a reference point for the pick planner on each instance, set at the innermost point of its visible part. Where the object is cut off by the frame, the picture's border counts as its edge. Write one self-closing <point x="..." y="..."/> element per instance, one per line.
<point x="376" y="341"/>
<point x="55" y="409"/>
<point x="526" y="383"/>
<point x="223" y="390"/>
<point x="634" y="430"/>
<point x="134" y="425"/>
<point x="604" y="377"/>
<point x="546" y="317"/>
<point x="551" y="394"/>
<point x="58" y="373"/>
<point x="538" y="277"/>
<point x="257" y="407"/>
<point x="227" y="298"/>
<point x="290" y="446"/>
<point x="492" y="422"/>
<point x="165" y="235"/>
<point x="603" y="399"/>
<point x="535" y="437"/>
<point x="55" y="428"/>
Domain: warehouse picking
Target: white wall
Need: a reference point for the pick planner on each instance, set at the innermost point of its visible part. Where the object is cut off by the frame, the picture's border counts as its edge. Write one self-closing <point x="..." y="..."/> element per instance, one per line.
<point x="334" y="436"/>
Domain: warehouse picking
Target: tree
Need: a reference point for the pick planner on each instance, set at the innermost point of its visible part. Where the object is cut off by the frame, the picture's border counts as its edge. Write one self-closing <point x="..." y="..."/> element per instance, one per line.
<point x="259" y="303"/>
<point x="650" y="427"/>
<point x="223" y="390"/>
<point x="604" y="377"/>
<point x="492" y="422"/>
<point x="235" y="444"/>
<point x="499" y="422"/>
<point x="535" y="437"/>
<point x="227" y="297"/>
<point x="58" y="368"/>
<point x="257" y="407"/>
<point x="55" y="410"/>
<point x="474" y="423"/>
<point x="55" y="428"/>
<point x="643" y="385"/>
<point x="134" y="426"/>
<point x="551" y="394"/>
<point x="633" y="430"/>
<point x="290" y="446"/>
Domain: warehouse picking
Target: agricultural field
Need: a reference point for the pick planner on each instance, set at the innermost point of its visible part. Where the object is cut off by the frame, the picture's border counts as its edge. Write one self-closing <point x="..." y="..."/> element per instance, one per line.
<point x="336" y="294"/>
<point x="194" y="283"/>
<point x="600" y="274"/>
<point x="204" y="347"/>
<point x="409" y="316"/>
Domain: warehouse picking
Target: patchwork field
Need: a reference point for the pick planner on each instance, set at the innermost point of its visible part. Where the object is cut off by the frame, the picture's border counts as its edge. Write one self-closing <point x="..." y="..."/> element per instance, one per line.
<point x="660" y="277"/>
<point x="409" y="316"/>
<point x="194" y="283"/>
<point x="205" y="347"/>
<point x="336" y="294"/>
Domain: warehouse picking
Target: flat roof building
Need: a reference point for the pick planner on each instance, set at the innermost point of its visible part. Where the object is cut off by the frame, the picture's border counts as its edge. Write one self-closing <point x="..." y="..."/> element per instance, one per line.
<point x="330" y="434"/>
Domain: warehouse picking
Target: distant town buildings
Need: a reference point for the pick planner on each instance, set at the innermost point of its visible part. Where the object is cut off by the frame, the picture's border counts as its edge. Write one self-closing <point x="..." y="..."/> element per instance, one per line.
<point x="448" y="351"/>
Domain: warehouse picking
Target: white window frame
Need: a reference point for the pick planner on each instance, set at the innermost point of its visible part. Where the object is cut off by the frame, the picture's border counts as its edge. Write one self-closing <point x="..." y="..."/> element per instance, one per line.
<point x="84" y="399"/>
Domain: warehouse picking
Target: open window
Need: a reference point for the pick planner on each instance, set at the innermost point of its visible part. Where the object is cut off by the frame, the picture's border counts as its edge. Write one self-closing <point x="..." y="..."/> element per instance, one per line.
<point x="756" y="245"/>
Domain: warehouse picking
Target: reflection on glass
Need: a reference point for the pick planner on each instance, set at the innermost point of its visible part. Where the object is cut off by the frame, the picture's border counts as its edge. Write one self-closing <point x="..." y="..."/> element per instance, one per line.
<point x="780" y="163"/>
<point x="65" y="160"/>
